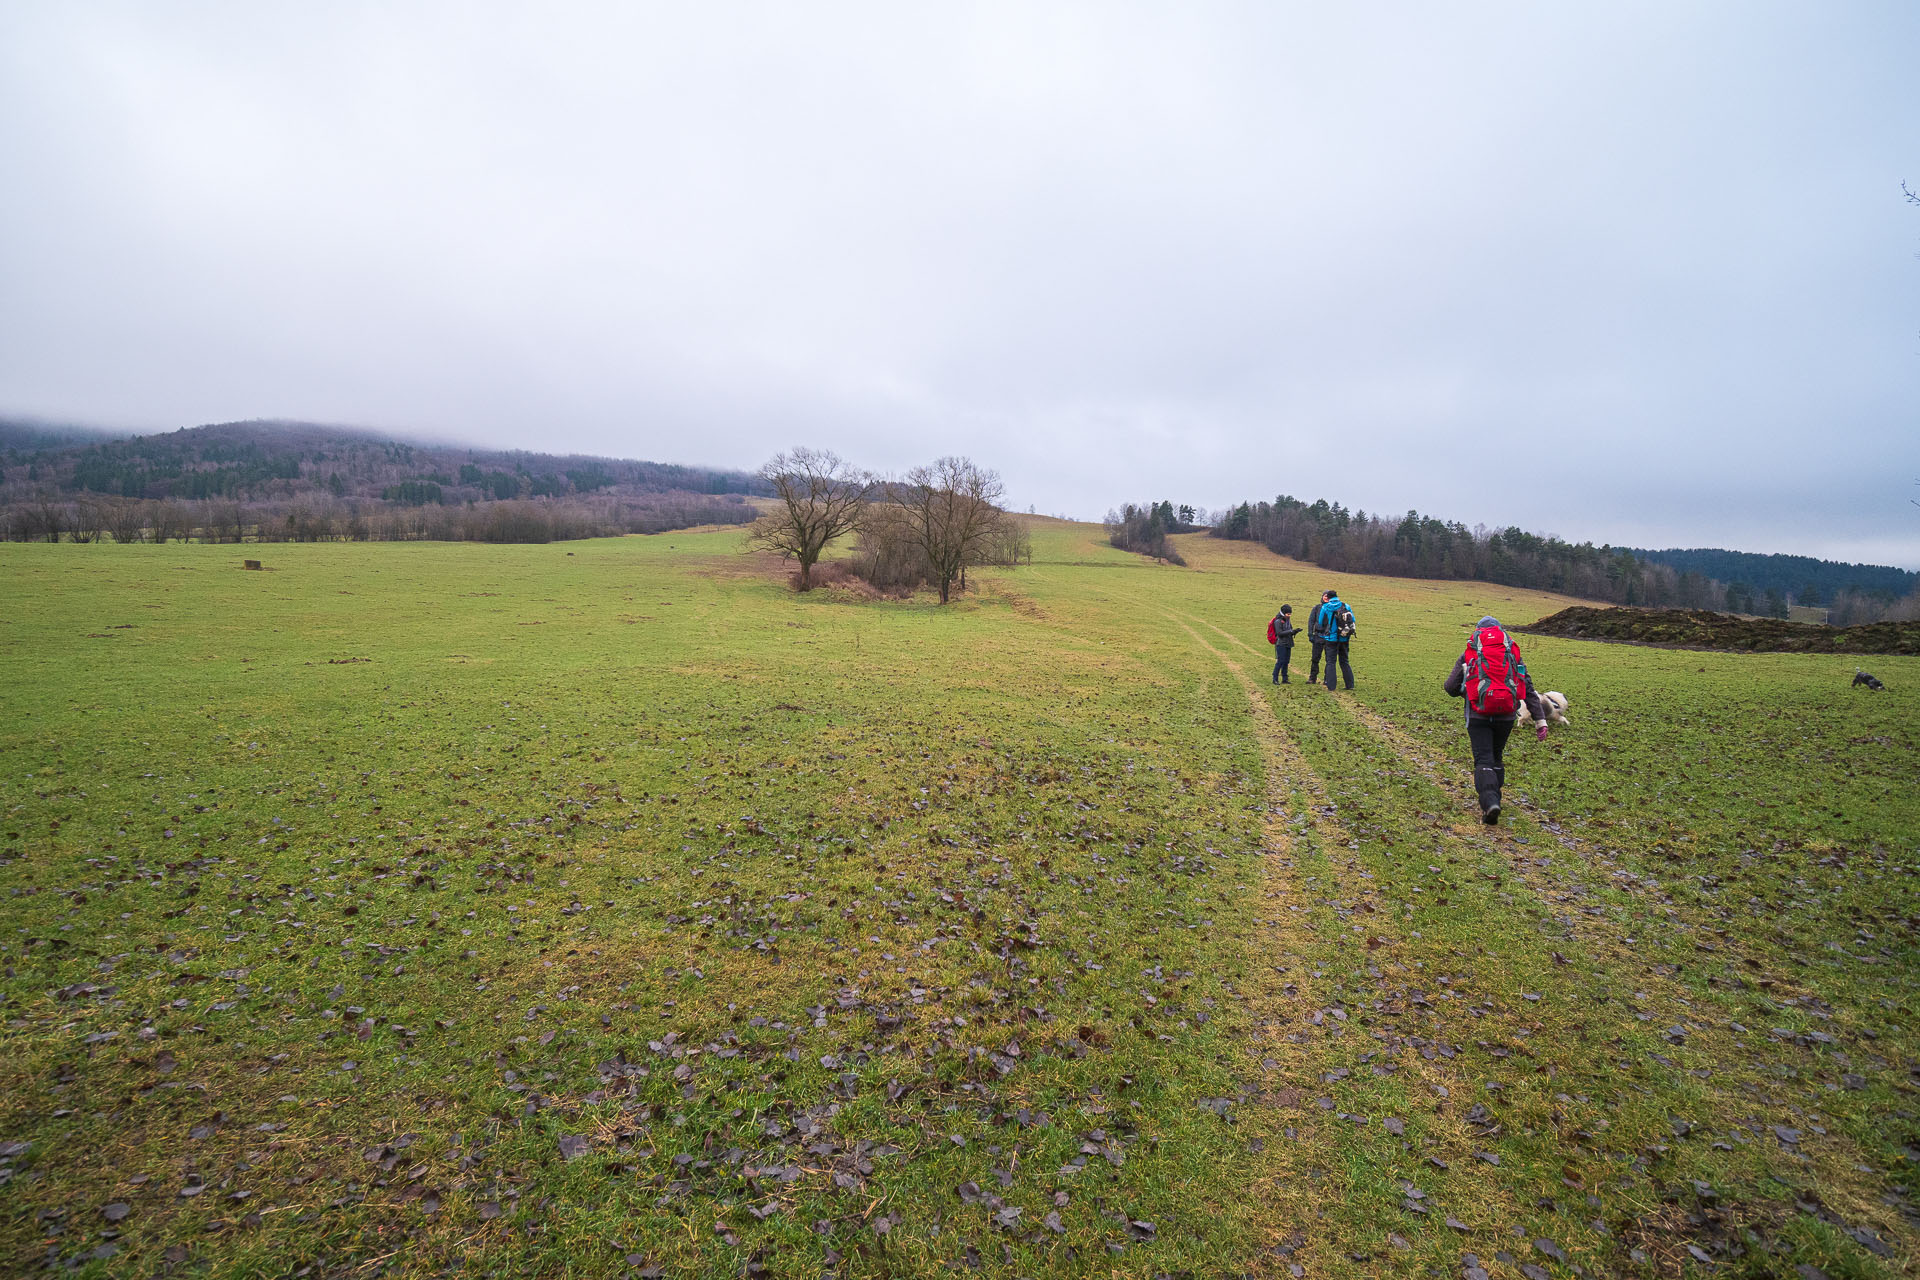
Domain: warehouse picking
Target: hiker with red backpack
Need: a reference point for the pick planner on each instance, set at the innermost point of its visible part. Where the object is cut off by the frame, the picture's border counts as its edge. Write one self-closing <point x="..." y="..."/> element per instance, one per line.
<point x="1495" y="683"/>
<point x="1280" y="634"/>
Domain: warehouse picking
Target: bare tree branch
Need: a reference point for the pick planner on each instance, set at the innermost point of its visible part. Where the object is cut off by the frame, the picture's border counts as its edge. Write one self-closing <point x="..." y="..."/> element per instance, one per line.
<point x="821" y="498"/>
<point x="952" y="512"/>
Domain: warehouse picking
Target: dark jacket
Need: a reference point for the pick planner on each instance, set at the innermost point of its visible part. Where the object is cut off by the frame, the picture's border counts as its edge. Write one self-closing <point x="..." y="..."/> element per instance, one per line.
<point x="1313" y="623"/>
<point x="1284" y="631"/>
<point x="1456" y="687"/>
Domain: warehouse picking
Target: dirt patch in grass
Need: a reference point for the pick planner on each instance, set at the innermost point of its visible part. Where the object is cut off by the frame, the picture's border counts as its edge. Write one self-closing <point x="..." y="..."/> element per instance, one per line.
<point x="731" y="565"/>
<point x="1702" y="629"/>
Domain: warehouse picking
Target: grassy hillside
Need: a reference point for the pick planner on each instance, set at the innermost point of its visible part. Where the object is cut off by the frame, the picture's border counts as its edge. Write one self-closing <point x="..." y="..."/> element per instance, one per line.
<point x="611" y="910"/>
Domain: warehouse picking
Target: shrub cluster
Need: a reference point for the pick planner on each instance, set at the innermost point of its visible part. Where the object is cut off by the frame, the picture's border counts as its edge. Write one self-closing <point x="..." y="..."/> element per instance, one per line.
<point x="891" y="557"/>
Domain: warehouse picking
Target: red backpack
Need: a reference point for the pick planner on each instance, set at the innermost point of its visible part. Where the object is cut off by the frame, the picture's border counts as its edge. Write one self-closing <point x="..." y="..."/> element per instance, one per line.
<point x="1494" y="673"/>
<point x="1273" y="629"/>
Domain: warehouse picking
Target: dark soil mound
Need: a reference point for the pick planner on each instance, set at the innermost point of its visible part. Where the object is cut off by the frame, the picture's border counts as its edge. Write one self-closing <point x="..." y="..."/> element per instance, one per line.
<point x="1699" y="629"/>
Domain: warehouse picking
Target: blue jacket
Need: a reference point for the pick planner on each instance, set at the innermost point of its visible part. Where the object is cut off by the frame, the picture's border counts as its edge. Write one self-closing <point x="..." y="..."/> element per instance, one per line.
<point x="1328" y="631"/>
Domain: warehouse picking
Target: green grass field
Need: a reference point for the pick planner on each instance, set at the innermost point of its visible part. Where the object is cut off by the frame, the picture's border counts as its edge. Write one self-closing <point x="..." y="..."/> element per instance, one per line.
<point x="606" y="909"/>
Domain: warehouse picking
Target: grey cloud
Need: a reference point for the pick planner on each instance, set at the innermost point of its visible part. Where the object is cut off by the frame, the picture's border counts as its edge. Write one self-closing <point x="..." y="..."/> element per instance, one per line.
<point x="1117" y="251"/>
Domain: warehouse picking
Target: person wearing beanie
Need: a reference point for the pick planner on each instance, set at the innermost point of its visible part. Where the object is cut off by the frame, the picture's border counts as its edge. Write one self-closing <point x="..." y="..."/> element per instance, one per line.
<point x="1280" y="632"/>
<point x="1494" y="682"/>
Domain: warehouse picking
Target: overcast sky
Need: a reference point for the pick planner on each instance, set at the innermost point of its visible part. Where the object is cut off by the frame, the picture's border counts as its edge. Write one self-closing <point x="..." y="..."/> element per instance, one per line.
<point x="1638" y="273"/>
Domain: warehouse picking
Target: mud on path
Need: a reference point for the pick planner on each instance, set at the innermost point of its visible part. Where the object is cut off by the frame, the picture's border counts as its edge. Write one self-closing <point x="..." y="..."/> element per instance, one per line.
<point x="1476" y="1053"/>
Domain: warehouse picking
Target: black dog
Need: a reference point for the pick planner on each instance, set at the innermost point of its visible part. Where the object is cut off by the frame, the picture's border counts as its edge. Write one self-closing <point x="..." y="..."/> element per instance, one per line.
<point x="1862" y="678"/>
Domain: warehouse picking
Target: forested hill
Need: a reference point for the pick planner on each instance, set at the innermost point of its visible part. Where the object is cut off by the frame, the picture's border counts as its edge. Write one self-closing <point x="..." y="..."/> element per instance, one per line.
<point x="1805" y="579"/>
<point x="262" y="461"/>
<point x="1417" y="546"/>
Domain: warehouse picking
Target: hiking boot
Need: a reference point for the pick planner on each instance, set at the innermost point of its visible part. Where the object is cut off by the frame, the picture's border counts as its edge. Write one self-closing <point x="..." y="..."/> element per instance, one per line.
<point x="1492" y="816"/>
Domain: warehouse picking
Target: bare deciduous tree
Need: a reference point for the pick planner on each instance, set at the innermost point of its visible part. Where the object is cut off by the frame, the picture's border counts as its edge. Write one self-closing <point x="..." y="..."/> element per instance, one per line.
<point x="85" y="522"/>
<point x="49" y="519"/>
<point x="888" y="554"/>
<point x="1010" y="543"/>
<point x="821" y="498"/>
<point x="223" y="522"/>
<point x="952" y="510"/>
<point x="126" y="521"/>
<point x="170" y="520"/>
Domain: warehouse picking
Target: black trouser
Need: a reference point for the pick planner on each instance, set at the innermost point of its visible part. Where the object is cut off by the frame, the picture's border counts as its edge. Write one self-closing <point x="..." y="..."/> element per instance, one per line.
<point x="1313" y="671"/>
<point x="1338" y="649"/>
<point x="1489" y="739"/>
<point x="1282" y="655"/>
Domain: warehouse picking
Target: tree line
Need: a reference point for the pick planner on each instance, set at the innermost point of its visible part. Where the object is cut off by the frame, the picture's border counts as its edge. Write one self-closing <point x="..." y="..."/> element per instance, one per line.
<point x="276" y="481"/>
<point x="126" y="520"/>
<point x="925" y="528"/>
<point x="1420" y="546"/>
<point x="258" y="461"/>
<point x="1850" y="591"/>
<point x="1417" y="546"/>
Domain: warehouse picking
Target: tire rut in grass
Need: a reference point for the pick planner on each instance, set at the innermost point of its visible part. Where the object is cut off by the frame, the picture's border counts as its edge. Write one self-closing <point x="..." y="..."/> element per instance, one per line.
<point x="1557" y="883"/>
<point x="1640" y="904"/>
<point x="1635" y="1067"/>
<point x="1283" y="1124"/>
<point x="1617" y="943"/>
<point x="1392" y="1127"/>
